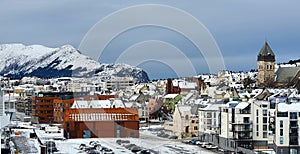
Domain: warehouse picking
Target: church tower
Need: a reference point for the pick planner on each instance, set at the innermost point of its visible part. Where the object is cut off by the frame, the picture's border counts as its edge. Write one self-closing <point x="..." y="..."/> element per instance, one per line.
<point x="266" y="66"/>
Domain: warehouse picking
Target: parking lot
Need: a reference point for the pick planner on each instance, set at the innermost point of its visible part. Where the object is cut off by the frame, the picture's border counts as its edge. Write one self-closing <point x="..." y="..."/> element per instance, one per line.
<point x="147" y="142"/>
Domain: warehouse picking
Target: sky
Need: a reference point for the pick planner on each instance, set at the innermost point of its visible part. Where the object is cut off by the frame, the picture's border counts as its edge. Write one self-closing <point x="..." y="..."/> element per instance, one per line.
<point x="238" y="28"/>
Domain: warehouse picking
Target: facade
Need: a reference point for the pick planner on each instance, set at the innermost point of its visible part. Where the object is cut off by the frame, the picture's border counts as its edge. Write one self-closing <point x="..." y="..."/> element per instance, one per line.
<point x="117" y="83"/>
<point x="184" y="122"/>
<point x="286" y="139"/>
<point x="266" y="66"/>
<point x="65" y="102"/>
<point x="101" y="122"/>
<point x="245" y="125"/>
<point x="209" y="122"/>
<point x="42" y="105"/>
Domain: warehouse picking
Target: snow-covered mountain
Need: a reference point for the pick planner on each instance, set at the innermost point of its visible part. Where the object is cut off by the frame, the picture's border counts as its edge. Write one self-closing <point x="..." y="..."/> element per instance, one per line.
<point x="18" y="60"/>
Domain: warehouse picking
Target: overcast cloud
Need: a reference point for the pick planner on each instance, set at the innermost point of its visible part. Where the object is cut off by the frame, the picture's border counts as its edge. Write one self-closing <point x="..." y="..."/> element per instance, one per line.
<point x="239" y="27"/>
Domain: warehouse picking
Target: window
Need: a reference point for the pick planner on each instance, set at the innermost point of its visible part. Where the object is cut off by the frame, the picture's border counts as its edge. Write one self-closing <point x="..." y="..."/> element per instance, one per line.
<point x="281" y="123"/>
<point x="186" y="117"/>
<point x="265" y="112"/>
<point x="256" y="112"/>
<point x="257" y="127"/>
<point x="265" y="120"/>
<point x="195" y="128"/>
<point x="257" y="133"/>
<point x="193" y="121"/>
<point x="257" y="119"/>
<point x="281" y="140"/>
<point x="246" y="120"/>
<point x="293" y="115"/>
<point x="282" y="114"/>
<point x="265" y="127"/>
<point x="281" y="132"/>
<point x="265" y="134"/>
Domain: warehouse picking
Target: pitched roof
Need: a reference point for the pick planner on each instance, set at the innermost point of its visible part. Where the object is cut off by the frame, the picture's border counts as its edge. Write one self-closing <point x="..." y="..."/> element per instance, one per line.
<point x="286" y="74"/>
<point x="266" y="50"/>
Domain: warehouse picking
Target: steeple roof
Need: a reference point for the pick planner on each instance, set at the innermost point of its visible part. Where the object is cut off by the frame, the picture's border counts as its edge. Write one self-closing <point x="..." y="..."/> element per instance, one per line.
<point x="266" y="50"/>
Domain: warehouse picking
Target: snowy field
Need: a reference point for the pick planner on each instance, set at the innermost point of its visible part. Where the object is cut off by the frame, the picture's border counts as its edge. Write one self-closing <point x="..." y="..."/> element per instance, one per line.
<point x="147" y="141"/>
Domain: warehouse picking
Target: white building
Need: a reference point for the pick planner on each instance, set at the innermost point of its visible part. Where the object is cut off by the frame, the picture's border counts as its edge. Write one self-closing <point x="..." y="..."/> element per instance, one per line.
<point x="209" y="122"/>
<point x="245" y="125"/>
<point x="286" y="139"/>
<point x="117" y="83"/>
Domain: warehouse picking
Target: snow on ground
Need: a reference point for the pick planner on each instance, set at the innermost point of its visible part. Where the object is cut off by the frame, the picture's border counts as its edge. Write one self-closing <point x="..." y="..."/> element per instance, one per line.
<point x="147" y="140"/>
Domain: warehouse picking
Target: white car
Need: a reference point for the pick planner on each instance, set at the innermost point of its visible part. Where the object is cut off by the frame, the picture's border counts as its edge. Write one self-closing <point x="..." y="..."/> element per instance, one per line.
<point x="211" y="146"/>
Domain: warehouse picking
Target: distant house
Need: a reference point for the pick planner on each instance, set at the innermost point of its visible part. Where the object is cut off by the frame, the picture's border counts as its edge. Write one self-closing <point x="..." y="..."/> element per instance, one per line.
<point x="185" y="122"/>
<point x="154" y="106"/>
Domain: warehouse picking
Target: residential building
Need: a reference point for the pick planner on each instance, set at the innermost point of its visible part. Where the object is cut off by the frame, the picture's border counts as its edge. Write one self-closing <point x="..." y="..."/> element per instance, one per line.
<point x="185" y="122"/>
<point x="117" y="83"/>
<point x="209" y="122"/>
<point x="287" y="118"/>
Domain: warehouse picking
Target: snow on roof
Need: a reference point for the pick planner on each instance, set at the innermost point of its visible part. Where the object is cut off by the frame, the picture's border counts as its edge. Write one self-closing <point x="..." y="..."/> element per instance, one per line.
<point x="232" y="104"/>
<point x="187" y="85"/>
<point x="183" y="109"/>
<point x="91" y="104"/>
<point x="294" y="95"/>
<point x="172" y="96"/>
<point x="242" y="105"/>
<point x="283" y="107"/>
<point x="129" y="104"/>
<point x="134" y="97"/>
<point x="118" y="104"/>
<point x="213" y="107"/>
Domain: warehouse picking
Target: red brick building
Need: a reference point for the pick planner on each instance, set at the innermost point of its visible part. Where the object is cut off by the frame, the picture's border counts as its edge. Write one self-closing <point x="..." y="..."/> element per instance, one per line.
<point x="63" y="103"/>
<point x="101" y="122"/>
<point x="48" y="107"/>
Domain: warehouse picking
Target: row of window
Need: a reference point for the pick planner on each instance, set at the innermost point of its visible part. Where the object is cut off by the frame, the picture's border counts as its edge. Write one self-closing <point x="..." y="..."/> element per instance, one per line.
<point x="293" y="115"/>
<point x="267" y="67"/>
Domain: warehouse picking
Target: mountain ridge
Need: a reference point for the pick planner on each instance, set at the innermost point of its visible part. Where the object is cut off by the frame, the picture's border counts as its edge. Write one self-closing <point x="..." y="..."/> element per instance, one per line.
<point x="18" y="60"/>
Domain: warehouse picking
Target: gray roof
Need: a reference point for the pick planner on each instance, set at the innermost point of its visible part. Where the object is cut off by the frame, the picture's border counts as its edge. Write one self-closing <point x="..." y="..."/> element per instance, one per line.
<point x="286" y="74"/>
<point x="266" y="50"/>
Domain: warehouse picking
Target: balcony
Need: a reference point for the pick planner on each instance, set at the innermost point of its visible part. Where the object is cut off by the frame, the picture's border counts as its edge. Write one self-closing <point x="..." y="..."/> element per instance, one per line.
<point x="241" y="123"/>
<point x="241" y="137"/>
<point x="241" y="129"/>
<point x="293" y="140"/>
<point x="294" y="126"/>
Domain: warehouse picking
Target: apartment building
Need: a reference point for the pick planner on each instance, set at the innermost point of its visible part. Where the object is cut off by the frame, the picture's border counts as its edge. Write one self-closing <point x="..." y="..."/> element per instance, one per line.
<point x="117" y="83"/>
<point x="209" y="122"/>
<point x="246" y="125"/>
<point x="286" y="139"/>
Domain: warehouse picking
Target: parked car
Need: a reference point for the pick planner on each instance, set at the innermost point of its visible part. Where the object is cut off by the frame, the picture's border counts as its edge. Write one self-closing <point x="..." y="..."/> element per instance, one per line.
<point x="120" y="142"/>
<point x="94" y="152"/>
<point x="211" y="146"/>
<point x="204" y="145"/>
<point x="135" y="149"/>
<point x="173" y="137"/>
<point x="193" y="141"/>
<point x="106" y="150"/>
<point x="144" y="152"/>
